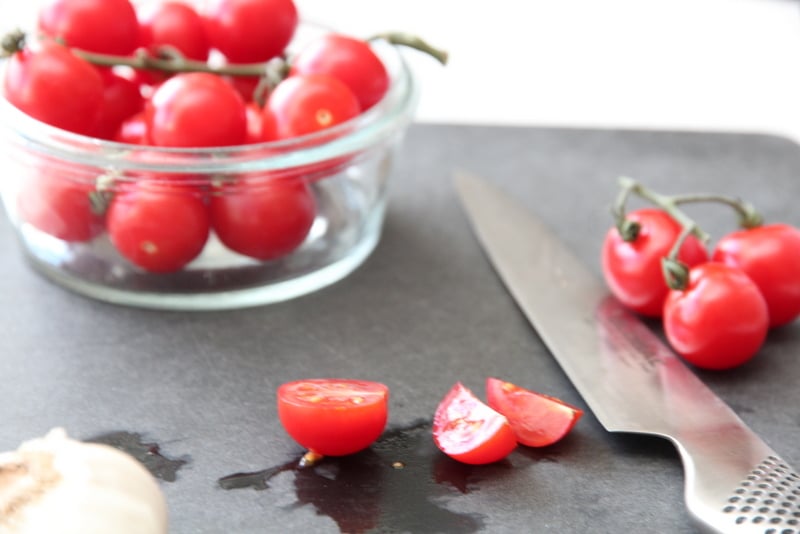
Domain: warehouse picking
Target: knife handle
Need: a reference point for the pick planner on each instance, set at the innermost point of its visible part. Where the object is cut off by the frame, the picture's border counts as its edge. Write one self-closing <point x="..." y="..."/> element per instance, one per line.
<point x="736" y="484"/>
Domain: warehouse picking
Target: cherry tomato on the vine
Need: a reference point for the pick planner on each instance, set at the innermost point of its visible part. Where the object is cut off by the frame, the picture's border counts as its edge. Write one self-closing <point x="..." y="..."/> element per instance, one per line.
<point x="121" y="100"/>
<point x="103" y="26"/>
<point x="250" y="31"/>
<point x="719" y="321"/>
<point x="59" y="206"/>
<point x="349" y="60"/>
<point x="770" y="256"/>
<point x="632" y="270"/>
<point x="174" y="24"/>
<point x="196" y="110"/>
<point x="467" y="430"/>
<point x="263" y="218"/>
<point x="333" y="416"/>
<point x="158" y="226"/>
<point x="55" y="86"/>
<point x="537" y="419"/>
<point x="304" y="104"/>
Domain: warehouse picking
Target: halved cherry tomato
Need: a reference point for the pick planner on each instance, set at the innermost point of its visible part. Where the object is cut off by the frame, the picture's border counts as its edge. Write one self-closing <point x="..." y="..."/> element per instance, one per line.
<point x="538" y="420"/>
<point x="467" y="430"/>
<point x="719" y="321"/>
<point x="632" y="270"/>
<point x="333" y="416"/>
<point x="770" y="256"/>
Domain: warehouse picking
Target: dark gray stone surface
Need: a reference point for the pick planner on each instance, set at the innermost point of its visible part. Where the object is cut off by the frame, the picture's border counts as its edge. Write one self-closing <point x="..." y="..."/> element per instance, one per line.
<point x="425" y="310"/>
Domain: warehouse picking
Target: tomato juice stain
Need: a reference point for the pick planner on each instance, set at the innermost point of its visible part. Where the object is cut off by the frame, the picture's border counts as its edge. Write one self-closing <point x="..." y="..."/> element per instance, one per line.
<point x="395" y="485"/>
<point x="149" y="454"/>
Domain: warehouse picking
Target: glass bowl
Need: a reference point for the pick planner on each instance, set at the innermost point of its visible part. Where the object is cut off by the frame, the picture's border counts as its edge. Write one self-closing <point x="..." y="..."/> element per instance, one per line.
<point x="342" y="174"/>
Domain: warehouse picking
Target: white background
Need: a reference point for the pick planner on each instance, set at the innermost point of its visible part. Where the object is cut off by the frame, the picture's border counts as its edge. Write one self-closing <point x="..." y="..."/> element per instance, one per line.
<point x="653" y="64"/>
<point x="674" y="64"/>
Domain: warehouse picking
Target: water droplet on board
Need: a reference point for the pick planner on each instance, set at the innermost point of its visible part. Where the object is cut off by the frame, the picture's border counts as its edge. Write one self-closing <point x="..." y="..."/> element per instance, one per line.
<point x="147" y="453"/>
<point x="397" y="484"/>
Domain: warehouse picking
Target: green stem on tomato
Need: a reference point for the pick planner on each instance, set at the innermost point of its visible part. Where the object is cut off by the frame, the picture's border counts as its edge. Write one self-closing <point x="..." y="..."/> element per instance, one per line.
<point x="665" y="202"/>
<point x="748" y="216"/>
<point x="12" y="43"/>
<point x="676" y="273"/>
<point x="412" y="41"/>
<point x="171" y="62"/>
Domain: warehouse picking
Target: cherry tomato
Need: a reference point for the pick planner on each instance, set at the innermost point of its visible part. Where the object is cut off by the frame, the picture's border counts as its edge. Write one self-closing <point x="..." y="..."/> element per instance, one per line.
<point x="263" y="218"/>
<point x="770" y="256"/>
<point x="467" y="430"/>
<point x="305" y="104"/>
<point x="333" y="416"/>
<point x="719" y="321"/>
<point x="349" y="60"/>
<point x="133" y="130"/>
<point x="632" y="270"/>
<point x="60" y="206"/>
<point x="53" y="85"/>
<point x="104" y="26"/>
<point x="196" y="109"/>
<point x="537" y="420"/>
<point x="121" y="100"/>
<point x="174" y="24"/>
<point x="250" y="31"/>
<point x="159" y="227"/>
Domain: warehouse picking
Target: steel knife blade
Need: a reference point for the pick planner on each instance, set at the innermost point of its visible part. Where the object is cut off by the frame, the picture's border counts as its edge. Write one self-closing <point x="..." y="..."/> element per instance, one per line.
<point x="734" y="482"/>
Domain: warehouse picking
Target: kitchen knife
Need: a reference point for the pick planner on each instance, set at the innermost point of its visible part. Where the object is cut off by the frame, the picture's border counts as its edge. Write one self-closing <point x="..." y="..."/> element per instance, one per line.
<point x="734" y="482"/>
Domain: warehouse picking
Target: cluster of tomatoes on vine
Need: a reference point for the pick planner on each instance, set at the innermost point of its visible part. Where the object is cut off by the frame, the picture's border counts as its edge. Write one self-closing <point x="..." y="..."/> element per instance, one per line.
<point x="170" y="75"/>
<point x="716" y="307"/>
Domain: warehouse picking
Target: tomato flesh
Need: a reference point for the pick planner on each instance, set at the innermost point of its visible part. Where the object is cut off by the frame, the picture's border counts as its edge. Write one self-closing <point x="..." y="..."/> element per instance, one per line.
<point x="467" y="430"/>
<point x="333" y="416"/>
<point x="538" y="420"/>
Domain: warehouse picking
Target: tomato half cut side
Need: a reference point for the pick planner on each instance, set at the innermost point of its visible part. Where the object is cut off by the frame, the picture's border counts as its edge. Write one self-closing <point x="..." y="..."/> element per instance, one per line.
<point x="333" y="416"/>
<point x="467" y="430"/>
<point x="537" y="419"/>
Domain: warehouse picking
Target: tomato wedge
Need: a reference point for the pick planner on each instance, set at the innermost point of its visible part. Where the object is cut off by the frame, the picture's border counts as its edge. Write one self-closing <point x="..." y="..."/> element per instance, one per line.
<point x="333" y="416"/>
<point x="538" y="420"/>
<point x="467" y="430"/>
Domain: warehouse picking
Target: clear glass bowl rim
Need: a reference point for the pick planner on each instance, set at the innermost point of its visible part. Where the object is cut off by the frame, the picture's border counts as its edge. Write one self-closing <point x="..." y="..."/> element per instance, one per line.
<point x="358" y="134"/>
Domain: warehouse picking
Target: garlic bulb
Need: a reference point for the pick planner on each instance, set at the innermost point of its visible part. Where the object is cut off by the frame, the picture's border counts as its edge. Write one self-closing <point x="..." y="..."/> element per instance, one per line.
<point x="62" y="486"/>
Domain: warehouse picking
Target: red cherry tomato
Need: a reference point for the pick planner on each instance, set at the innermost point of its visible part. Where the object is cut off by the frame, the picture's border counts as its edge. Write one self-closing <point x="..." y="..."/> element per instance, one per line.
<point x="538" y="420"/>
<point x="333" y="417"/>
<point x="250" y="31"/>
<point x="263" y="218"/>
<point x="121" y="101"/>
<point x="301" y="105"/>
<point x="196" y="109"/>
<point x="55" y="86"/>
<point x="770" y="256"/>
<point x="104" y="26"/>
<point x="719" y="321"/>
<point x="159" y="227"/>
<point x="60" y="206"/>
<point x="467" y="430"/>
<point x="349" y="60"/>
<point x="175" y="24"/>
<point x="632" y="270"/>
<point x="133" y="130"/>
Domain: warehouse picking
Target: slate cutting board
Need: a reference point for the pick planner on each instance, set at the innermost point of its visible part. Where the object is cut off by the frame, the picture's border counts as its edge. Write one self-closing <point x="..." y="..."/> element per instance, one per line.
<point x="193" y="393"/>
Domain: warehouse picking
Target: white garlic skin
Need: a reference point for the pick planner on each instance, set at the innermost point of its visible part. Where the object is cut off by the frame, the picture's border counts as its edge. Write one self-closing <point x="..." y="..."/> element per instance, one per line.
<point x="62" y="486"/>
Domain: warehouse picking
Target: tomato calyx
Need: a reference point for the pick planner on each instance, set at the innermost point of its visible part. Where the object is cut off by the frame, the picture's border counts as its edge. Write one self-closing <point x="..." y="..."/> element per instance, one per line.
<point x="12" y="42"/>
<point x="676" y="272"/>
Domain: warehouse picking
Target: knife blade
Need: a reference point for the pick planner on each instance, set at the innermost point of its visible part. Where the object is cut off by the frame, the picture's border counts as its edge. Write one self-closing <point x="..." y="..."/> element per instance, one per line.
<point x="734" y="482"/>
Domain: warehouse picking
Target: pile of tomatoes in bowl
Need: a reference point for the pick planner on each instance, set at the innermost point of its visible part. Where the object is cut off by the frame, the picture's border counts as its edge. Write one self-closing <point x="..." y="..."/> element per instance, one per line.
<point x="169" y="155"/>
